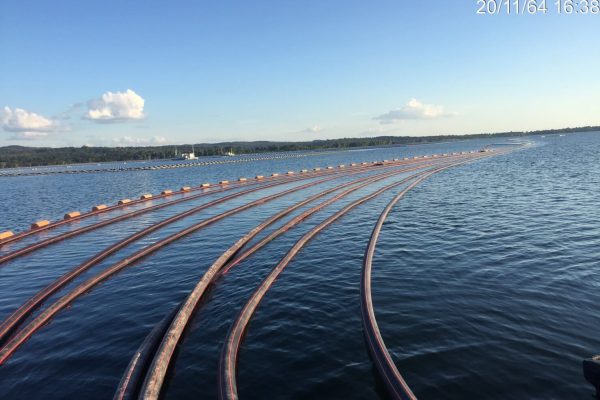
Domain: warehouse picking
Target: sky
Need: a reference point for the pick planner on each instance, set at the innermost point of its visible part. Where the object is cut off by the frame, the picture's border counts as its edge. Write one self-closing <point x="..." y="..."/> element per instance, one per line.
<point x="119" y="73"/>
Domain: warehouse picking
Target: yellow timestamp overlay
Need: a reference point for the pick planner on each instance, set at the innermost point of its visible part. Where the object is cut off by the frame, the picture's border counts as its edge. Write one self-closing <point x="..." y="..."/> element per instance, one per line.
<point x="532" y="7"/>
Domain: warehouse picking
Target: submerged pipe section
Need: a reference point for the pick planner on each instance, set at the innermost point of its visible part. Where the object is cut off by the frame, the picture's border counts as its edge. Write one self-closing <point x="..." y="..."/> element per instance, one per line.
<point x="103" y="209"/>
<point x="164" y="356"/>
<point x="10" y="238"/>
<point x="96" y="211"/>
<point x="130" y="384"/>
<point x="66" y="235"/>
<point x="295" y="221"/>
<point x="18" y="316"/>
<point x="395" y="383"/>
<point x="274" y="181"/>
<point x="228" y="362"/>
<point x="21" y="336"/>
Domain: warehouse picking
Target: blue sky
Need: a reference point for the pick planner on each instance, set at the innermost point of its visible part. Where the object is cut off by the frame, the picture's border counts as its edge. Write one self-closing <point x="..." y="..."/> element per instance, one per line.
<point x="146" y="72"/>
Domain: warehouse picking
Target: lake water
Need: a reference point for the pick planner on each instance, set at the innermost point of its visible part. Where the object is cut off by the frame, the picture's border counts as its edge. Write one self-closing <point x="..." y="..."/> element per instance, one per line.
<point x="485" y="282"/>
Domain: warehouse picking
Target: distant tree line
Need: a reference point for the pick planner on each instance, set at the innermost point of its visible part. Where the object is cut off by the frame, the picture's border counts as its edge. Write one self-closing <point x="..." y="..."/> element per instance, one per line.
<point x="21" y="156"/>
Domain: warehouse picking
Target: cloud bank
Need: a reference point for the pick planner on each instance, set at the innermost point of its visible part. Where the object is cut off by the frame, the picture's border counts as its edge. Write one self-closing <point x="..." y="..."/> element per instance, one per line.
<point x="26" y="124"/>
<point x="413" y="110"/>
<point x="312" y="129"/>
<point x="131" y="141"/>
<point x="116" y="107"/>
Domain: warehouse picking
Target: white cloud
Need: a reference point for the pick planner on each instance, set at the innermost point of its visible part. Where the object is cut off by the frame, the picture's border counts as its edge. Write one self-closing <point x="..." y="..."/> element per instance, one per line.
<point x="376" y="131"/>
<point x="20" y="120"/>
<point x="312" y="129"/>
<point x="414" y="109"/>
<point x="28" y="135"/>
<point x="116" y="107"/>
<point x="131" y="141"/>
<point x="28" y="125"/>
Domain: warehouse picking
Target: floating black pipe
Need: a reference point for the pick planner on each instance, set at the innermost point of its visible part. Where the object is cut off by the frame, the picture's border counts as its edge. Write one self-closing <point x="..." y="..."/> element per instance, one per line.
<point x="132" y="380"/>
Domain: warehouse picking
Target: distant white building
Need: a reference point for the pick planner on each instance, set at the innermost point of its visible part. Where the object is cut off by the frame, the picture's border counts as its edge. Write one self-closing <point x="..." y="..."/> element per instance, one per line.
<point x="186" y="156"/>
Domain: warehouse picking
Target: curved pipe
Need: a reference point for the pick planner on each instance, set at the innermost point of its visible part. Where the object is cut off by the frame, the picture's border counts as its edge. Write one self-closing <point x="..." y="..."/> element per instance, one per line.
<point x="132" y="380"/>
<point x="295" y="221"/>
<point x="164" y="356"/>
<point x="18" y="316"/>
<point x="279" y="180"/>
<point x="228" y="362"/>
<point x="395" y="383"/>
<point x="21" y="336"/>
<point x="66" y="235"/>
<point x="56" y="224"/>
<point x="233" y="185"/>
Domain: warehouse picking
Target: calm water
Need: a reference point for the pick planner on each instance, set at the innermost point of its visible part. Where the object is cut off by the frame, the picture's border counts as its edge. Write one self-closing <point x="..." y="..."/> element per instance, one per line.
<point x="485" y="282"/>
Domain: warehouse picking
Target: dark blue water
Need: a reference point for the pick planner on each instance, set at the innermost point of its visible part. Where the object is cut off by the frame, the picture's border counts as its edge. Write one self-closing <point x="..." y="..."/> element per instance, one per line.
<point x="484" y="281"/>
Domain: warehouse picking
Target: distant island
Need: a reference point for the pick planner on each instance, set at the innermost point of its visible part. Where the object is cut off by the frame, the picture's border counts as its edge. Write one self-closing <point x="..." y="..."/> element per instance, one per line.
<point x="22" y="156"/>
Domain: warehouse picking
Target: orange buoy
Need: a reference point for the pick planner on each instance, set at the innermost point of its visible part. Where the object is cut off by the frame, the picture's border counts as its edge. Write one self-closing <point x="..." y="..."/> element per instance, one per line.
<point x="6" y="235"/>
<point x="353" y="164"/>
<point x="242" y="180"/>
<point x="40" y="224"/>
<point x="145" y="196"/>
<point x="205" y="185"/>
<point x="99" y="207"/>
<point x="124" y="201"/>
<point x="224" y="182"/>
<point x="290" y="172"/>
<point x="72" y="214"/>
<point x="185" y="188"/>
<point x="259" y="177"/>
<point x="166" y="192"/>
<point x="275" y="174"/>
